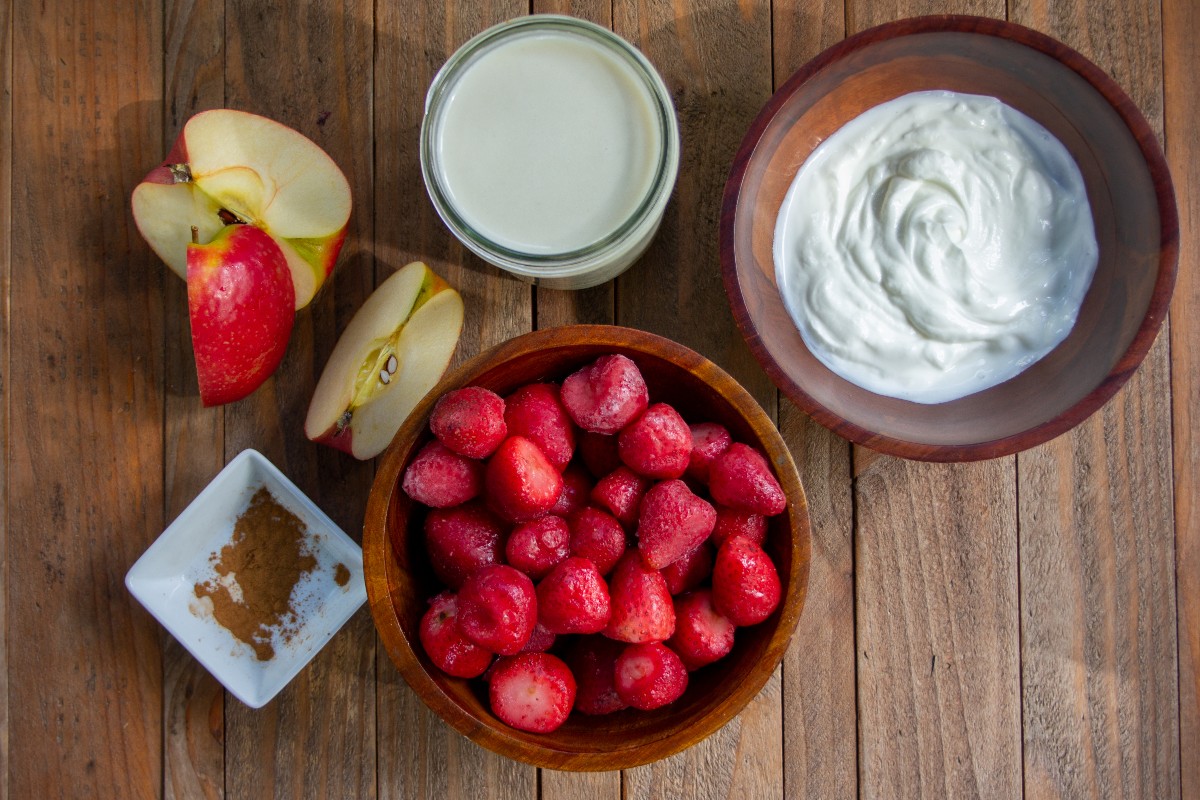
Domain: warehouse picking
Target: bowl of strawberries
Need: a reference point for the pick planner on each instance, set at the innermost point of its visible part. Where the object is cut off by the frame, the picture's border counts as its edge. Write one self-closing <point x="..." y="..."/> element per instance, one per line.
<point x="587" y="548"/>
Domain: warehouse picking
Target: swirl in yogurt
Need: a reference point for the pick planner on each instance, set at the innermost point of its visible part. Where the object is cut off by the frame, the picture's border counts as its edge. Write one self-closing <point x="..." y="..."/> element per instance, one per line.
<point x="935" y="246"/>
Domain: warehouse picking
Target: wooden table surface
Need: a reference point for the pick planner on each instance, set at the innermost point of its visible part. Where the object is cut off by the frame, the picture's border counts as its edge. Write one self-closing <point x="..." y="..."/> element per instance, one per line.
<point x="1027" y="626"/>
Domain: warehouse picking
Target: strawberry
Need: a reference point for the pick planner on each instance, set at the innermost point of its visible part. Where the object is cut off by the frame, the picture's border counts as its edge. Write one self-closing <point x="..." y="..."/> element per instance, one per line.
<point x="540" y="640"/>
<point x="535" y="412"/>
<point x="658" y="444"/>
<point x="577" y="487"/>
<point x="649" y="676"/>
<point x="702" y="635"/>
<point x="497" y="609"/>
<point x="689" y="571"/>
<point x="709" y="440"/>
<point x="597" y="536"/>
<point x="672" y="522"/>
<point x="532" y="692"/>
<point x="741" y="478"/>
<point x="462" y="539"/>
<point x="745" y="585"/>
<point x="731" y="522"/>
<point x="521" y="483"/>
<point x="441" y="478"/>
<point x="593" y="660"/>
<point x="573" y="598"/>
<point x="444" y="643"/>
<point x="599" y="453"/>
<point x="606" y="395"/>
<point x="641" y="605"/>
<point x="470" y="421"/>
<point x="535" y="547"/>
<point x="620" y="492"/>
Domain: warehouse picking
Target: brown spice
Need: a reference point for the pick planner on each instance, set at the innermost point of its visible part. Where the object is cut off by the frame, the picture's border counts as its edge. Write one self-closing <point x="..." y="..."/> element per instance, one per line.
<point x="257" y="571"/>
<point x="341" y="575"/>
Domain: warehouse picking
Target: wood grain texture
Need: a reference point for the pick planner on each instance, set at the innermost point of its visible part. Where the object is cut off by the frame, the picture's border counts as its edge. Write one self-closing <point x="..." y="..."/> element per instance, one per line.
<point x="85" y="462"/>
<point x="6" y="70"/>
<point x="1181" y="67"/>
<point x="1099" y="680"/>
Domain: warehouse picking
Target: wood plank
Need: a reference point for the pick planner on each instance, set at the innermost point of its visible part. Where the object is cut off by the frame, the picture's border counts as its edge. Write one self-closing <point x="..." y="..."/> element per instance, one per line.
<point x="85" y="453"/>
<point x="1181" y="61"/>
<point x="716" y="61"/>
<point x="6" y="120"/>
<point x="1099" y="678"/>
<point x="193" y="700"/>
<point x="311" y="69"/>
<point x="421" y="756"/>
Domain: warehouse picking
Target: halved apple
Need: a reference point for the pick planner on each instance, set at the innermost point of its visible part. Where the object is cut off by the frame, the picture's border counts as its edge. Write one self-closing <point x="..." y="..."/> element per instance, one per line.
<point x="391" y="354"/>
<point x="229" y="167"/>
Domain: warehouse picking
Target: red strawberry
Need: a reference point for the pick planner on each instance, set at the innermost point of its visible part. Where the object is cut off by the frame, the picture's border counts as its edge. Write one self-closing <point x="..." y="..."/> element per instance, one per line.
<point x="657" y="444"/>
<point x="599" y="452"/>
<point x="741" y="478"/>
<point x="593" y="660"/>
<point x="731" y="522"/>
<point x="597" y="536"/>
<point x="447" y="648"/>
<point x="709" y="440"/>
<point x="573" y="598"/>
<point x="469" y="421"/>
<point x="535" y="547"/>
<point x="702" y="634"/>
<point x="745" y="584"/>
<point x="540" y="640"/>
<point x="460" y="540"/>
<point x="521" y="482"/>
<point x="532" y="692"/>
<point x="606" y="395"/>
<point x="641" y="605"/>
<point x="672" y="522"/>
<point x="441" y="478"/>
<point x="535" y="412"/>
<point x="577" y="487"/>
<point x="620" y="492"/>
<point x="650" y="676"/>
<point x="497" y="609"/>
<point x="690" y="571"/>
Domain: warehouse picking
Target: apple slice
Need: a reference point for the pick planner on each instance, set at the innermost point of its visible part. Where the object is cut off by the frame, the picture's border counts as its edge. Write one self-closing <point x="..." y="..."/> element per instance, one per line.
<point x="390" y="355"/>
<point x="242" y="305"/>
<point x="230" y="166"/>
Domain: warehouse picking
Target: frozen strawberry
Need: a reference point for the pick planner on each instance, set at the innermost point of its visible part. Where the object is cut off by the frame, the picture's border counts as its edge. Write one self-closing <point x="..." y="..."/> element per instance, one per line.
<point x="672" y="522"/>
<point x="573" y="598"/>
<point x="462" y="539"/>
<point x="741" y="478"/>
<point x="441" y="478"/>
<point x="657" y="444"/>
<point x="606" y="395"/>
<point x="447" y="648"/>
<point x="709" y="440"/>
<point x="469" y="421"/>
<point x="577" y="487"/>
<point x="532" y="692"/>
<point x="690" y="571"/>
<point x="732" y="522"/>
<point x="521" y="483"/>
<point x="535" y="547"/>
<point x="641" y="605"/>
<point x="593" y="660"/>
<point x="702" y="634"/>
<point x="649" y="676"/>
<point x="745" y="584"/>
<point x="497" y="609"/>
<point x="535" y="412"/>
<point x="599" y="453"/>
<point x="540" y="640"/>
<point x="597" y="536"/>
<point x="620" y="492"/>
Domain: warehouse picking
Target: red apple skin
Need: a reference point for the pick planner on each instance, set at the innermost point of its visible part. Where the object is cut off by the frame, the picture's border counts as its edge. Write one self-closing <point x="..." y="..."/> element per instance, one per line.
<point x="242" y="305"/>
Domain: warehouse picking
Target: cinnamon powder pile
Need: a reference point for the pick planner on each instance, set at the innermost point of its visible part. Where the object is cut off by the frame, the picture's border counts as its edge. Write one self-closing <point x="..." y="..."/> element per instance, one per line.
<point x="256" y="573"/>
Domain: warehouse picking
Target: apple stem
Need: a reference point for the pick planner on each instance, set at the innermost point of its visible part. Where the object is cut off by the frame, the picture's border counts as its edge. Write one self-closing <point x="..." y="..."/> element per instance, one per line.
<point x="195" y="235"/>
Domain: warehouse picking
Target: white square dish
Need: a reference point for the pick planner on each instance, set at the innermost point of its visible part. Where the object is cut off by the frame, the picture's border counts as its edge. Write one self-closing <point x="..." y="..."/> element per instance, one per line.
<point x="163" y="580"/>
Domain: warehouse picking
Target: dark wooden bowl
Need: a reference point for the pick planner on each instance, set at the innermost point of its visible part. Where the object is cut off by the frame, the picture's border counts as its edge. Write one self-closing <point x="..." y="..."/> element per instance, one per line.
<point x="399" y="579"/>
<point x="1128" y="185"/>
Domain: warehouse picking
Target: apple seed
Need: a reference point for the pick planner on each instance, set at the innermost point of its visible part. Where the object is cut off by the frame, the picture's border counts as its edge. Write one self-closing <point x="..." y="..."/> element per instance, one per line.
<point x="385" y="377"/>
<point x="392" y="364"/>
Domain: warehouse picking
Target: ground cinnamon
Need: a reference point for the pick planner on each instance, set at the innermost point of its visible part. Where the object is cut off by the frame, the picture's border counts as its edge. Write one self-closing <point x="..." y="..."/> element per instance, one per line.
<point x="256" y="572"/>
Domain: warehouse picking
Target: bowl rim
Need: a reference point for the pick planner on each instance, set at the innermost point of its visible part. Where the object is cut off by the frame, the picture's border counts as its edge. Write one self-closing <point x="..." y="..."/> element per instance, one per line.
<point x="1160" y="298"/>
<point x="502" y="741"/>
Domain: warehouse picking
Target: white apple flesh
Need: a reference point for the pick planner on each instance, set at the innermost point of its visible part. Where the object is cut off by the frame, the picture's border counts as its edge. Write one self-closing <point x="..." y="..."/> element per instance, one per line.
<point x="391" y="354"/>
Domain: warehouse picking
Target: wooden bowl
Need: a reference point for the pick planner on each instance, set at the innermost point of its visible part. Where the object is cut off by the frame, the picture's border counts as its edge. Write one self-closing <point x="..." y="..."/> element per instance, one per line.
<point x="399" y="578"/>
<point x="1128" y="186"/>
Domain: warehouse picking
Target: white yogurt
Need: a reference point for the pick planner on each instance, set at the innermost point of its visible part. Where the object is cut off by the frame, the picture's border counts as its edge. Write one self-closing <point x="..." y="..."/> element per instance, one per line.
<point x="936" y="245"/>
